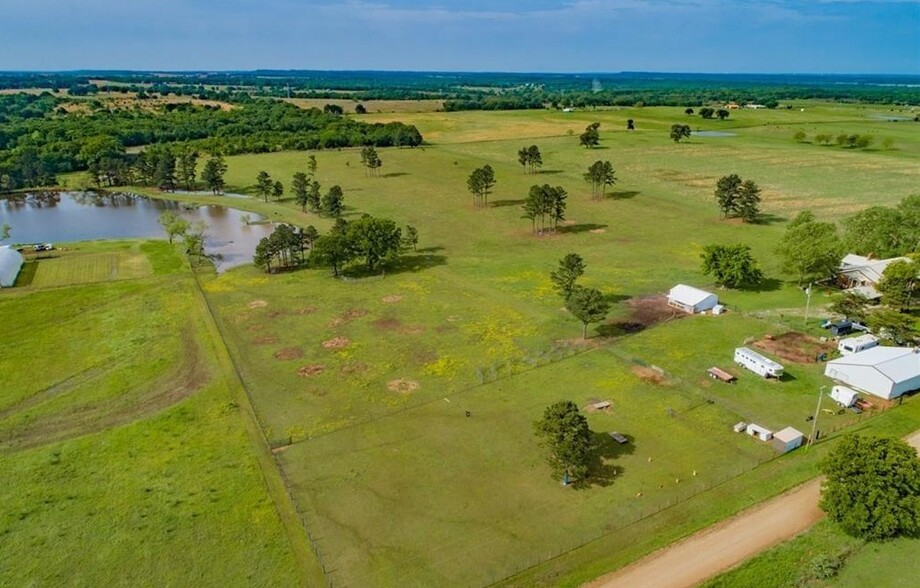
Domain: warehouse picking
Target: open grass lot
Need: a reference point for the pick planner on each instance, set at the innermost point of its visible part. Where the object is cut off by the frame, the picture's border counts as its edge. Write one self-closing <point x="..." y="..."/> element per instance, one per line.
<point x="372" y="106"/>
<point x="369" y="379"/>
<point x="125" y="455"/>
<point x="89" y="262"/>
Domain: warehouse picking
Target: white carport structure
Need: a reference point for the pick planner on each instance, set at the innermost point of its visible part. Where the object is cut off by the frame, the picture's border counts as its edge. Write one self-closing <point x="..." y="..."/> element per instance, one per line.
<point x="10" y="264"/>
<point x="886" y="372"/>
<point x="691" y="300"/>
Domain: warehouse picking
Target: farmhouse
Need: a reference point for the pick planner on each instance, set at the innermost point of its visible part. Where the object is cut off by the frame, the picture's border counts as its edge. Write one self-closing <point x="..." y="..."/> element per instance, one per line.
<point x="10" y="264"/>
<point x="691" y="300"/>
<point x="886" y="372"/>
<point x="860" y="274"/>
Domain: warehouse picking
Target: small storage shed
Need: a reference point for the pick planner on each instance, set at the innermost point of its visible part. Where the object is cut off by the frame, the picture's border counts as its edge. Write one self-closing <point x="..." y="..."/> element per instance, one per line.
<point x="757" y="363"/>
<point x="10" y="263"/>
<point x="761" y="433"/>
<point x="852" y="345"/>
<point x="886" y="372"/>
<point x="845" y="397"/>
<point x="691" y="300"/>
<point x="788" y="439"/>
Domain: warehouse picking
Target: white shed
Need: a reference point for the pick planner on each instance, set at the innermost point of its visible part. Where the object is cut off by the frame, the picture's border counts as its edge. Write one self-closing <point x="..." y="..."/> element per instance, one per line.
<point x="886" y="372"/>
<point x="845" y="397"/>
<point x="788" y="439"/>
<point x="762" y="433"/>
<point x="691" y="300"/>
<point x="10" y="263"/>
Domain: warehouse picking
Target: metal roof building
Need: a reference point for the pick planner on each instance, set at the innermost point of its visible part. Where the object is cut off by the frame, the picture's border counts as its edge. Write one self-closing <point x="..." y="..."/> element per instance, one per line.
<point x="886" y="372"/>
<point x="10" y="264"/>
<point x="690" y="299"/>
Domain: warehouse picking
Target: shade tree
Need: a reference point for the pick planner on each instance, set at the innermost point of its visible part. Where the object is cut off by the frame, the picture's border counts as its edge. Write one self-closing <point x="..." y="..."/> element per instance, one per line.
<point x="588" y="305"/>
<point x="564" y="434"/>
<point x="810" y="249"/>
<point x="480" y="184"/>
<point x="571" y="267"/>
<point x="591" y="137"/>
<point x="679" y="131"/>
<point x="600" y="174"/>
<point x="732" y="266"/>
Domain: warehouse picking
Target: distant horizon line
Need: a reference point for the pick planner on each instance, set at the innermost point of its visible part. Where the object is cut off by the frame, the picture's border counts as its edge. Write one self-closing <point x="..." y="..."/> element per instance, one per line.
<point x="453" y="72"/>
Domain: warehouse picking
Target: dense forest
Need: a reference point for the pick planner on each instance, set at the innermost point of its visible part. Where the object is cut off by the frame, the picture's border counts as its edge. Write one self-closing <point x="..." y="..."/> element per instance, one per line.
<point x="39" y="139"/>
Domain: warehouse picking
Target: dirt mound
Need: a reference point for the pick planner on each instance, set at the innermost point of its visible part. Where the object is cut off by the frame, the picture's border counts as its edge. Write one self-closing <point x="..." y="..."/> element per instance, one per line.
<point x="274" y="313"/>
<point x="307" y="310"/>
<point x="412" y="330"/>
<point x="336" y="343"/>
<point x="402" y="386"/>
<point x="647" y="374"/>
<point x="265" y="340"/>
<point x="353" y="313"/>
<point x="289" y="353"/>
<point x="387" y="324"/>
<point x="257" y="304"/>
<point x="391" y="299"/>
<point x="311" y="370"/>
<point x="794" y="346"/>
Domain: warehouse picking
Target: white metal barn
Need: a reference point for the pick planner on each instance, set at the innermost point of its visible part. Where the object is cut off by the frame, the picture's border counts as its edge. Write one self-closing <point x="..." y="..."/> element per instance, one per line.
<point x="10" y="264"/>
<point x="691" y="300"/>
<point x="788" y="439"/>
<point x="886" y="372"/>
<point x="852" y="345"/>
<point x="757" y="363"/>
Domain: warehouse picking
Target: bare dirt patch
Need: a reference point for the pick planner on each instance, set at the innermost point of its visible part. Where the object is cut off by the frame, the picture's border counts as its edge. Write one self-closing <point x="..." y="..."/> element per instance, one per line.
<point x="311" y="370"/>
<point x="597" y="231"/>
<point x="274" y="313"/>
<point x="336" y="343"/>
<point x="412" y="330"/>
<point x="644" y="312"/>
<point x="306" y="310"/>
<point x="265" y="340"/>
<point x="391" y="299"/>
<point x="402" y="386"/>
<point x="289" y="353"/>
<point x="387" y="324"/>
<point x="353" y="313"/>
<point x="257" y="304"/>
<point x="794" y="346"/>
<point x="647" y="374"/>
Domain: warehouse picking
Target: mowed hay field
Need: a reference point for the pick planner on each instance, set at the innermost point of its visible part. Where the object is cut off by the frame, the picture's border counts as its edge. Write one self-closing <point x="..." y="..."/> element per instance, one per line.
<point x="363" y="384"/>
<point x="125" y="455"/>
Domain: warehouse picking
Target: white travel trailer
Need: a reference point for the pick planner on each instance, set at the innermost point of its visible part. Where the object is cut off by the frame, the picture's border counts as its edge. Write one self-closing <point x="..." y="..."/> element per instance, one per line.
<point x="757" y="363"/>
<point x="852" y="345"/>
<point x="845" y="397"/>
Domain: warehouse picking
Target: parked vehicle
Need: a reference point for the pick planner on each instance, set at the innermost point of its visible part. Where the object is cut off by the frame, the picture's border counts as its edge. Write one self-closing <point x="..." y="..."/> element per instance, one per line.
<point x="757" y="363"/>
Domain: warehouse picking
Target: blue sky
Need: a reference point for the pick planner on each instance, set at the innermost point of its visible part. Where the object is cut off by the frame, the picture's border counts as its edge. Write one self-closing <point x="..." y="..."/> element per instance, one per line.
<point x="765" y="36"/>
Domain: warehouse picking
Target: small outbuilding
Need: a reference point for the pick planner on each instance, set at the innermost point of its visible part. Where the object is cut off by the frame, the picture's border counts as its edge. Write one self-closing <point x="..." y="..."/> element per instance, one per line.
<point x="788" y="439"/>
<point x="691" y="300"/>
<point x="10" y="263"/>
<point x="845" y="397"/>
<point x="886" y="372"/>
<point x="761" y="433"/>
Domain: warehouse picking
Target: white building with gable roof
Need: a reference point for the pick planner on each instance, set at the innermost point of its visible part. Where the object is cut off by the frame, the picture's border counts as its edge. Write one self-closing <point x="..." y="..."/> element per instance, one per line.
<point x="886" y="372"/>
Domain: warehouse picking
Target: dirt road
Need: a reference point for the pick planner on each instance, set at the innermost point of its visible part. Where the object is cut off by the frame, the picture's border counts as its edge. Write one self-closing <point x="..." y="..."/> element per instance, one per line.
<point x="725" y="545"/>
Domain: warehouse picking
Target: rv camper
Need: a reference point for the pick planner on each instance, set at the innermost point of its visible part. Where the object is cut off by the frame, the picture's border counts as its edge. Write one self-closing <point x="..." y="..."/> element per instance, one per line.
<point x="852" y="345"/>
<point x="757" y="363"/>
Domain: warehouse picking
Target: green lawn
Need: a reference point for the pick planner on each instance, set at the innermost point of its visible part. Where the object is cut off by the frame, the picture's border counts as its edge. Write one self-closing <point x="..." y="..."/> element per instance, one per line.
<point x="369" y="378"/>
<point x="124" y="449"/>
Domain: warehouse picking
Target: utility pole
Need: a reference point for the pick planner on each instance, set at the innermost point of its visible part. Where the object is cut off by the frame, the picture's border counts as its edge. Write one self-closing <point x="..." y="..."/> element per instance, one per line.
<point x="814" y="423"/>
<point x="807" y="302"/>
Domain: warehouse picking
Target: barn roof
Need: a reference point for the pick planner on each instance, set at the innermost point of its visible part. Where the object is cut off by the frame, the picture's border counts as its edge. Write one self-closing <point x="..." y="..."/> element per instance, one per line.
<point x="688" y="294"/>
<point x="10" y="264"/>
<point x="898" y="364"/>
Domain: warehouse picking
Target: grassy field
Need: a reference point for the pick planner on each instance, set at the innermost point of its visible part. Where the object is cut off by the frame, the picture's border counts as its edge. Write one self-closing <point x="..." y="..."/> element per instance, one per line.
<point x="363" y="384"/>
<point x="124" y="450"/>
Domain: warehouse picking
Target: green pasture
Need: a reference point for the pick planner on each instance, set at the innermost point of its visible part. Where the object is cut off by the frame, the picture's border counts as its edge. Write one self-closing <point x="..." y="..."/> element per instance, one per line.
<point x="363" y="383"/>
<point x="125" y="455"/>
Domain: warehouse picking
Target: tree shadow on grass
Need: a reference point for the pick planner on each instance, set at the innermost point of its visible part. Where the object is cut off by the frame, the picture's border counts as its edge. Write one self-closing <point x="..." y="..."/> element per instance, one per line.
<point x="395" y="175"/>
<point x="549" y="172"/>
<point x="766" y="218"/>
<point x="581" y="228"/>
<point x="602" y="468"/>
<point x="766" y="285"/>
<point x="620" y="328"/>
<point x="416" y="263"/>
<point x="624" y="195"/>
<point x="501" y="203"/>
<point x="432" y="249"/>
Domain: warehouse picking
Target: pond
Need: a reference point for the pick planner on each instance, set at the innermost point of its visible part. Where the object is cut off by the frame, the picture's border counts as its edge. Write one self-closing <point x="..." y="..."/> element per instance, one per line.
<point x="82" y="216"/>
<point x="713" y="134"/>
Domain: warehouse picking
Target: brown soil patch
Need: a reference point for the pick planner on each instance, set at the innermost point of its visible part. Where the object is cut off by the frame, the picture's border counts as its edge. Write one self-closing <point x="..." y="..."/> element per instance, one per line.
<point x="598" y="231"/>
<point x="307" y="310"/>
<point x="412" y="330"/>
<point x="402" y="386"/>
<point x="356" y="367"/>
<point x="289" y="353"/>
<point x="265" y="340"/>
<point x="274" y="313"/>
<point x="354" y="313"/>
<point x="648" y="375"/>
<point x="255" y="327"/>
<point x="392" y="299"/>
<point x="311" y="370"/>
<point x="387" y="324"/>
<point x="644" y="312"/>
<point x="336" y="343"/>
<point x="257" y="304"/>
<point x="793" y="346"/>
